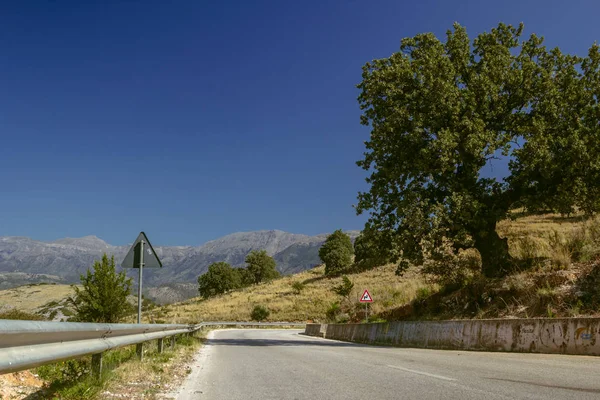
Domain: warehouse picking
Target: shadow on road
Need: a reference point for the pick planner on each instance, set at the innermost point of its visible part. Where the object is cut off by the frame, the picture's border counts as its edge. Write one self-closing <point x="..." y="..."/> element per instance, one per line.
<point x="279" y="342"/>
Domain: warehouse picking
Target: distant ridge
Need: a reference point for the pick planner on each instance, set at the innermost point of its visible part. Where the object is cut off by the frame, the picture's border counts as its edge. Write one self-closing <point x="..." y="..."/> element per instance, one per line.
<point x="65" y="259"/>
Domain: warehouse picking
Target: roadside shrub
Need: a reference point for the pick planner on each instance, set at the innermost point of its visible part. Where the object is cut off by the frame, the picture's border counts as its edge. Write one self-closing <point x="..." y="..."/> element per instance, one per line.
<point x="345" y="288"/>
<point x="423" y="293"/>
<point x="447" y="266"/>
<point x="103" y="295"/>
<point x="65" y="371"/>
<point x="342" y="318"/>
<point x="333" y="311"/>
<point x="298" y="287"/>
<point x="260" y="313"/>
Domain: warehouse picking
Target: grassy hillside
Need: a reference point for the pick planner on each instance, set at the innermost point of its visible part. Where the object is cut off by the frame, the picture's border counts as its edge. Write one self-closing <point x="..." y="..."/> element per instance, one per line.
<point x="558" y="275"/>
<point x="48" y="300"/>
<point x="310" y="303"/>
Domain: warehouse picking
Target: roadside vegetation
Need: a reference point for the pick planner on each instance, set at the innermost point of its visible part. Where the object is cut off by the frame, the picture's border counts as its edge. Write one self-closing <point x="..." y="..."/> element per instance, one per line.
<point x="103" y="297"/>
<point x="124" y="376"/>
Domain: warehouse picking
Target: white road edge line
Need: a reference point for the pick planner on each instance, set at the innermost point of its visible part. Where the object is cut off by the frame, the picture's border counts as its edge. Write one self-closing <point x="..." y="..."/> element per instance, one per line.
<point x="421" y="373"/>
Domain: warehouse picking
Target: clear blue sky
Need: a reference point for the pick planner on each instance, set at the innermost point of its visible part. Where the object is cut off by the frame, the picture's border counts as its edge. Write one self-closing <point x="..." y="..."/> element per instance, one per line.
<point x="194" y="119"/>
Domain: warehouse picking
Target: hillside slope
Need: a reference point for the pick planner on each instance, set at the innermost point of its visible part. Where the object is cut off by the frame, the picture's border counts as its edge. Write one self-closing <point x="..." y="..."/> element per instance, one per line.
<point x="558" y="276"/>
<point x="309" y="304"/>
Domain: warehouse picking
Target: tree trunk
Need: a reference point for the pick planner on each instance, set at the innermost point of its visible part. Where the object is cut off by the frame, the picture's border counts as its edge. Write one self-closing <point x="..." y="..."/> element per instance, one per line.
<point x="495" y="259"/>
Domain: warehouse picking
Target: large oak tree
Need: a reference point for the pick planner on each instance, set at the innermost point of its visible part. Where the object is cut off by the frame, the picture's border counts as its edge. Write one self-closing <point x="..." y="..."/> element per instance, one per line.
<point x="439" y="111"/>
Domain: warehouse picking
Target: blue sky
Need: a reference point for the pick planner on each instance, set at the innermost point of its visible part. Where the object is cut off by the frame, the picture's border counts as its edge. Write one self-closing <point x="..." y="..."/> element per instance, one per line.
<point x="191" y="119"/>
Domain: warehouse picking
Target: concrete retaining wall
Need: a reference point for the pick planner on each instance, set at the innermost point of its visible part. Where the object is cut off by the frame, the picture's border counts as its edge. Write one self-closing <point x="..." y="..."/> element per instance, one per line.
<point x="564" y="336"/>
<point x="315" y="330"/>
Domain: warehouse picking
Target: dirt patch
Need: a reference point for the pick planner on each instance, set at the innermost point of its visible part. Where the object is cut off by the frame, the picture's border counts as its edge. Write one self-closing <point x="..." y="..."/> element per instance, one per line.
<point x="19" y="385"/>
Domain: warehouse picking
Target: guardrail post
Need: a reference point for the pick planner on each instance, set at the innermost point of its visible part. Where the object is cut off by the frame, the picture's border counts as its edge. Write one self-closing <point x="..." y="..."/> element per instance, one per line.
<point x="160" y="345"/>
<point x="139" y="349"/>
<point x="97" y="365"/>
<point x="172" y="342"/>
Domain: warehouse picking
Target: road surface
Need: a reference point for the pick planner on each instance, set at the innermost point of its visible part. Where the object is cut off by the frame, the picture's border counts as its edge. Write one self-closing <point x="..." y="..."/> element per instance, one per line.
<point x="248" y="364"/>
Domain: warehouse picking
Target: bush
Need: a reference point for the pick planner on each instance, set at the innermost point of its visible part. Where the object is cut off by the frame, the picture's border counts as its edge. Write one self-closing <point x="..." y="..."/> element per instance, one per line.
<point x="298" y="287"/>
<point x="333" y="311"/>
<point x="448" y="266"/>
<point x="336" y="253"/>
<point x="103" y="297"/>
<point x="345" y="288"/>
<point x="260" y="313"/>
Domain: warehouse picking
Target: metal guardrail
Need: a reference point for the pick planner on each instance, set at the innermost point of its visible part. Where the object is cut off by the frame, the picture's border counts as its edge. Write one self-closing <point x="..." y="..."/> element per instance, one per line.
<point x="29" y="344"/>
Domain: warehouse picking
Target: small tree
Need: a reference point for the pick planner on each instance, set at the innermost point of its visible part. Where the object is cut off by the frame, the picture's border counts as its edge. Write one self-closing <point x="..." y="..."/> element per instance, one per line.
<point x="260" y="313"/>
<point x="336" y="252"/>
<point x="103" y="297"/>
<point x="345" y="288"/>
<point x="261" y="266"/>
<point x="219" y="278"/>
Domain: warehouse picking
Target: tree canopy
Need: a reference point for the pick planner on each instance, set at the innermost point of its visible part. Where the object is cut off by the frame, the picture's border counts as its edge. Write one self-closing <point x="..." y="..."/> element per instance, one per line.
<point x="219" y="278"/>
<point x="439" y="112"/>
<point x="261" y="267"/>
<point x="103" y="297"/>
<point x="336" y="252"/>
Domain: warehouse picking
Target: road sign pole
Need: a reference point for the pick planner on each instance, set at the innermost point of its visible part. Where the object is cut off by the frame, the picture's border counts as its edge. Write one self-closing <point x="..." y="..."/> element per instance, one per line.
<point x="140" y="282"/>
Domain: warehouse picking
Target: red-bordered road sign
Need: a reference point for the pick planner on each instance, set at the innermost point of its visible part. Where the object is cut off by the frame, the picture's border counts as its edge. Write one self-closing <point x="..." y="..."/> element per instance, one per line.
<point x="366" y="297"/>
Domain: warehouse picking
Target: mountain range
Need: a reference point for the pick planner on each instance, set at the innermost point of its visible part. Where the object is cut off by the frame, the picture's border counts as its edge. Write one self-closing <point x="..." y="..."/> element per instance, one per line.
<point x="27" y="260"/>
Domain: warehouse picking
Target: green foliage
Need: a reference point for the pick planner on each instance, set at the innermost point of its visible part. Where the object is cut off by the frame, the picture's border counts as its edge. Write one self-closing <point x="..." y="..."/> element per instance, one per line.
<point x="333" y="311"/>
<point x="65" y="371"/>
<point x="246" y="278"/>
<point x="422" y="294"/>
<point x="336" y="253"/>
<point x="103" y="297"/>
<point x="345" y="288"/>
<point x="260" y="313"/>
<point x="374" y="248"/>
<point x="261" y="266"/>
<point x="298" y="287"/>
<point x="219" y="278"/>
<point x="441" y="111"/>
<point x="20" y="315"/>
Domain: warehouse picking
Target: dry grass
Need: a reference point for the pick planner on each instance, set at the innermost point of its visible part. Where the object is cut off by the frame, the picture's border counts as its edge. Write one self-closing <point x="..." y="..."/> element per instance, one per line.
<point x="30" y="298"/>
<point x="157" y="377"/>
<point x="286" y="303"/>
<point x="559" y="240"/>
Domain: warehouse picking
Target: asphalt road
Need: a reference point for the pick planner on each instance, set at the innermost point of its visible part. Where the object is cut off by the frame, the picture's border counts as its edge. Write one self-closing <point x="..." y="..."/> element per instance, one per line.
<point x="261" y="364"/>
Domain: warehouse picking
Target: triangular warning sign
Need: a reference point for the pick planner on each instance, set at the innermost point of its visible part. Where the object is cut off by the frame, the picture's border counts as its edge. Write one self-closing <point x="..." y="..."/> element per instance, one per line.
<point x="133" y="257"/>
<point x="366" y="297"/>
